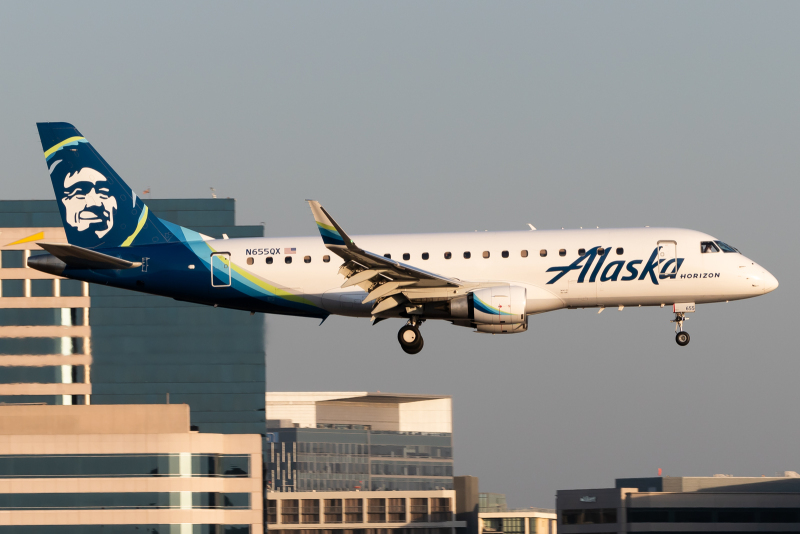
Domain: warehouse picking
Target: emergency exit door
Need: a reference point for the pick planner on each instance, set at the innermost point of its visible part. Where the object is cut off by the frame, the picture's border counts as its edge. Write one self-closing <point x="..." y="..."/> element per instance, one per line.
<point x="220" y="269"/>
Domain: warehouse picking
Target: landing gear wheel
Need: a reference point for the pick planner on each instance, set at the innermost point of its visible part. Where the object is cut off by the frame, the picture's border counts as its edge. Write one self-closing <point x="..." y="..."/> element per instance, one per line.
<point x="410" y="339"/>
<point x="682" y="338"/>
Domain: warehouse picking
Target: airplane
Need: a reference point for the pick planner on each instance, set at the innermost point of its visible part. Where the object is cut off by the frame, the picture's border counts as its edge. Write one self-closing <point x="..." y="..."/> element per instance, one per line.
<point x="491" y="282"/>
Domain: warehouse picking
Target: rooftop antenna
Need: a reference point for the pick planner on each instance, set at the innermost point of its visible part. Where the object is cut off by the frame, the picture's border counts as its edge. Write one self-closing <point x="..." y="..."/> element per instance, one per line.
<point x="213" y="192"/>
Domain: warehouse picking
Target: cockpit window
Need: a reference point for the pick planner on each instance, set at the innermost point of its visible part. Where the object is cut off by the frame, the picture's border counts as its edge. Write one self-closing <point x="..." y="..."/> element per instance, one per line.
<point x="726" y="247"/>
<point x="708" y="246"/>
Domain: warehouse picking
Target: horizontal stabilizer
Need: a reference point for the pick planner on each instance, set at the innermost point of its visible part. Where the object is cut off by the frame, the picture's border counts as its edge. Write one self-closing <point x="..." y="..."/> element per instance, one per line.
<point x="81" y="258"/>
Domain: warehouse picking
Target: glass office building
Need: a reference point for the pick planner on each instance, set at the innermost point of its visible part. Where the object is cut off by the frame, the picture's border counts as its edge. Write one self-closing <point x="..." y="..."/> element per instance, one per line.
<point x="346" y="441"/>
<point x="67" y="342"/>
<point x="347" y="459"/>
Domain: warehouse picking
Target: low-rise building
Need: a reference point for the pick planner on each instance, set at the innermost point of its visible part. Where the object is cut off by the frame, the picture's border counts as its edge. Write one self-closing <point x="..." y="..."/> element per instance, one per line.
<point x="684" y="504"/>
<point x="95" y="469"/>
<point x="368" y="512"/>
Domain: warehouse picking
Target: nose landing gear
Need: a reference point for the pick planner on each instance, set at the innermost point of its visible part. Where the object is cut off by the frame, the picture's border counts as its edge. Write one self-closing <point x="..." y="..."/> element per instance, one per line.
<point x="681" y="337"/>
<point x="410" y="338"/>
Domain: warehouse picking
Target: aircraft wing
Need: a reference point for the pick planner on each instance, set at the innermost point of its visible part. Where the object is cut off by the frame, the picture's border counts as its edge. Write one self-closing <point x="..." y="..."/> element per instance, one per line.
<point x="380" y="277"/>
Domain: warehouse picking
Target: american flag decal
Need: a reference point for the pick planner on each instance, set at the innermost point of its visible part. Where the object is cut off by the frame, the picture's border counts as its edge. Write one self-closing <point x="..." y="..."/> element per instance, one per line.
<point x="290" y="250"/>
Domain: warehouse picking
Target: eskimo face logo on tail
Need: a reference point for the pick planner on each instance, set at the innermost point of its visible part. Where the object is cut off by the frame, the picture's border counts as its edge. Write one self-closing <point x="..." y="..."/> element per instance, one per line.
<point x="88" y="202"/>
<point x="94" y="208"/>
<point x="614" y="269"/>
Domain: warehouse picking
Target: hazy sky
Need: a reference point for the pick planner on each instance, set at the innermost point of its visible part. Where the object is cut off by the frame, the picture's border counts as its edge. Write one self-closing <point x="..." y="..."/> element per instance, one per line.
<point x="451" y="116"/>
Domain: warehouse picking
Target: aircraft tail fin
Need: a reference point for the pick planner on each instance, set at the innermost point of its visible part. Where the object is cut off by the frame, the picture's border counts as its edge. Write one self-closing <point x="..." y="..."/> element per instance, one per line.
<point x="98" y="209"/>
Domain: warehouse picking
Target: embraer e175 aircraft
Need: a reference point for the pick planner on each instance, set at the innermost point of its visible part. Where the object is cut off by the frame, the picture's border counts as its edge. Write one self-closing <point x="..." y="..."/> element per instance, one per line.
<point x="489" y="281"/>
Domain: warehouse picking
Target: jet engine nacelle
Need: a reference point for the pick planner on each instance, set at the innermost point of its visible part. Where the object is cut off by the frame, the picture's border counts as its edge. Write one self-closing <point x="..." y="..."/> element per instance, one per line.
<point x="495" y="310"/>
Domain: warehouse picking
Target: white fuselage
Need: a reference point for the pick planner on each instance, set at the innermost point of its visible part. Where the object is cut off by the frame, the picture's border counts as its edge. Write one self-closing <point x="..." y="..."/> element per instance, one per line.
<point x="626" y="276"/>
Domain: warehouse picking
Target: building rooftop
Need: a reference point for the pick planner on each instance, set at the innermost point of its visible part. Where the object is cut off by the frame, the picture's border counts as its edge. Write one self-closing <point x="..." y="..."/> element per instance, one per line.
<point x="399" y="412"/>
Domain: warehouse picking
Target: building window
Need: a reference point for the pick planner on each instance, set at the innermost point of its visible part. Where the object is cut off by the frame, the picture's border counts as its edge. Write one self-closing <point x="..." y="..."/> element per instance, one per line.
<point x="310" y="511"/>
<point x="290" y="511"/>
<point x="467" y="255"/>
<point x="307" y="259"/>
<point x="448" y="255"/>
<point x="287" y="259"/>
<point x="406" y="256"/>
<point x="250" y="261"/>
<point x="269" y="260"/>
<point x="524" y="253"/>
<point x="425" y="256"/>
<point x="13" y="288"/>
<point x="396" y="510"/>
<point x="326" y="258"/>
<point x="41" y="288"/>
<point x="419" y="510"/>
<point x="333" y="510"/>
<point x="513" y="525"/>
<point x="376" y="512"/>
<point x="71" y="288"/>
<point x="593" y="516"/>
<point x="12" y="259"/>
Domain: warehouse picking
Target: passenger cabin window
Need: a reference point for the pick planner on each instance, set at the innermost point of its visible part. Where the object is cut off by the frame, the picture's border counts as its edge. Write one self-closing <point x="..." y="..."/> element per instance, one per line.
<point x="601" y="251"/>
<point x="250" y="261"/>
<point x="504" y="253"/>
<point x="581" y="251"/>
<point x="387" y="256"/>
<point x="448" y="255"/>
<point x="485" y="253"/>
<point x="269" y="260"/>
<point x="707" y="247"/>
<point x="467" y="255"/>
<point x="307" y="259"/>
<point x="620" y="251"/>
<point x="326" y="258"/>
<point x="288" y="259"/>
<point x="523" y="253"/>
<point x="543" y="253"/>
<point x="425" y="256"/>
<point x="406" y="256"/>
<point x="726" y="247"/>
<point x="562" y="252"/>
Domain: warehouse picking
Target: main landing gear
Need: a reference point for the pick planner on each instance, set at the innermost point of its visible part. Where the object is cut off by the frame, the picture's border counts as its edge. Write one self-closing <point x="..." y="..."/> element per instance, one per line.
<point x="681" y="337"/>
<point x="410" y="338"/>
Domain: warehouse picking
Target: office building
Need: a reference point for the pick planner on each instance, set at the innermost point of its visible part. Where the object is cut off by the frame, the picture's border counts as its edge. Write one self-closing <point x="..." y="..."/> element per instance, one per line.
<point x="124" y="469"/>
<point x="347" y="441"/>
<point x="365" y="512"/>
<point x="66" y="342"/>
<point x="497" y="518"/>
<point x="684" y="504"/>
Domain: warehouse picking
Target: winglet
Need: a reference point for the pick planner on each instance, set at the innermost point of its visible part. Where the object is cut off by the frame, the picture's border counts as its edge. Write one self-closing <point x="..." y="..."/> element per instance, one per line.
<point x="332" y="234"/>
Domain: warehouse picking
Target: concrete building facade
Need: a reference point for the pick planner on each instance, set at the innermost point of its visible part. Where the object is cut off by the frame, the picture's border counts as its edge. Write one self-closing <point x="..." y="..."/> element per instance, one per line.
<point x="99" y="469"/>
<point x="373" y="512"/>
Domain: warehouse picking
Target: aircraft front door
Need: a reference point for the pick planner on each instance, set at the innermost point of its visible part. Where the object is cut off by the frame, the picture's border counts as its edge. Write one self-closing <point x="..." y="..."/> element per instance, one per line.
<point x="221" y="269"/>
<point x="667" y="260"/>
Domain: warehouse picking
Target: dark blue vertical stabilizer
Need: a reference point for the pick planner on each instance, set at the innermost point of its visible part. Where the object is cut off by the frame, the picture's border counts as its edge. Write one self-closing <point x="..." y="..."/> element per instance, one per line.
<point x="98" y="209"/>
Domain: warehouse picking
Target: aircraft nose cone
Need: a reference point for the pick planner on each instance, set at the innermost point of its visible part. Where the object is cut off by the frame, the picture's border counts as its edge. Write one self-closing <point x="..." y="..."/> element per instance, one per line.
<point x="770" y="282"/>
